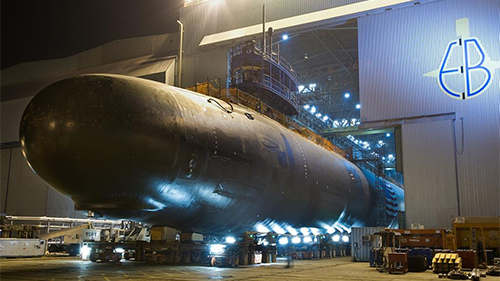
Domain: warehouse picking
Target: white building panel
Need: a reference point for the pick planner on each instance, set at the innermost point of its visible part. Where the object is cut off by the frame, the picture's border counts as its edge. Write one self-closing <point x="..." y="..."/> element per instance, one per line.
<point x="401" y="55"/>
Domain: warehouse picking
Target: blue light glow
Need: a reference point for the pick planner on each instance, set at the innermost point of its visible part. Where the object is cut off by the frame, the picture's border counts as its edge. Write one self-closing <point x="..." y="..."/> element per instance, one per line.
<point x="262" y="228"/>
<point x="283" y="241"/>
<point x="336" y="238"/>
<point x="217" y="248"/>
<point x="314" y="230"/>
<point x="285" y="37"/>
<point x="330" y="230"/>
<point x="304" y="230"/>
<point x="291" y="230"/>
<point x="278" y="229"/>
<point x="358" y="106"/>
<point x="347" y="95"/>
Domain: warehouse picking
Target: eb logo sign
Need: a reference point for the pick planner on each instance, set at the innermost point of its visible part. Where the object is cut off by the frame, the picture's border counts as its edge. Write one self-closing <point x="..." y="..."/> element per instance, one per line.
<point x="465" y="61"/>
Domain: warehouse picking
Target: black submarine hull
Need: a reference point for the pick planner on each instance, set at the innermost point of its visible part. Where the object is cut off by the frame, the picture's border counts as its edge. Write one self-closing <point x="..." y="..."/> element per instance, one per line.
<point x="130" y="148"/>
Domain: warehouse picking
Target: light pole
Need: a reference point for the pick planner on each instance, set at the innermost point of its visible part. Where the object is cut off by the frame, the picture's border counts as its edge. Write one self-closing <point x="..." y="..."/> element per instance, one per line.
<point x="181" y="53"/>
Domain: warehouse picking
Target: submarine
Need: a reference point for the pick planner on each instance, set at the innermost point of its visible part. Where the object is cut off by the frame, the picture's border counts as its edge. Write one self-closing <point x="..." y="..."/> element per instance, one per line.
<point x="130" y="148"/>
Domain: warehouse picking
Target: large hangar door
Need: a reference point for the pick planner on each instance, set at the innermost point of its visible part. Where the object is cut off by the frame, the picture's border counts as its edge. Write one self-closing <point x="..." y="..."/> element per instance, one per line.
<point x="429" y="173"/>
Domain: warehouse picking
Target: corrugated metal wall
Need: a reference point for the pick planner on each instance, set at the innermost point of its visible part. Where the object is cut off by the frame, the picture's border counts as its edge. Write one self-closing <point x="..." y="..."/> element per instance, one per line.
<point x="23" y="193"/>
<point x="429" y="165"/>
<point x="219" y="16"/>
<point x="395" y="49"/>
<point x="360" y="250"/>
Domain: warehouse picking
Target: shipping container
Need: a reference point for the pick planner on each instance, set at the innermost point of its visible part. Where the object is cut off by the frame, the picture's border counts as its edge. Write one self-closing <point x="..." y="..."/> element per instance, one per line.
<point x="361" y="242"/>
<point x="21" y="248"/>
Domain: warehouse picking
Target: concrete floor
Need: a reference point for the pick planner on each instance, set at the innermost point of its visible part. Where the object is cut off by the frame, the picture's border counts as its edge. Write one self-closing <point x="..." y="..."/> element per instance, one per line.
<point x="65" y="268"/>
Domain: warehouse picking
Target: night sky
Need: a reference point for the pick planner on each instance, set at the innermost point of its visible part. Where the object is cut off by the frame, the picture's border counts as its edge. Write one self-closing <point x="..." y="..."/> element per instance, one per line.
<point x="47" y="29"/>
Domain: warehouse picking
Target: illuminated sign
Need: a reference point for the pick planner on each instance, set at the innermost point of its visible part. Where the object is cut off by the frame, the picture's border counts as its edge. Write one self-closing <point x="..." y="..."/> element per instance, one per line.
<point x="466" y="62"/>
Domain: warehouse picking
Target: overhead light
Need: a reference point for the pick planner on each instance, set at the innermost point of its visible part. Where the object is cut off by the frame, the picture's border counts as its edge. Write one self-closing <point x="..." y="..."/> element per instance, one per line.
<point x="358" y="106"/>
<point x="305" y="56"/>
<point x="300" y="88"/>
<point x="307" y="239"/>
<point x="390" y="156"/>
<point x="336" y="238"/>
<point x="296" y="240"/>
<point x="347" y="95"/>
<point x="285" y="37"/>
<point x="325" y="118"/>
<point x="306" y="107"/>
<point x="388" y="135"/>
<point x="318" y="115"/>
<point x="313" y="109"/>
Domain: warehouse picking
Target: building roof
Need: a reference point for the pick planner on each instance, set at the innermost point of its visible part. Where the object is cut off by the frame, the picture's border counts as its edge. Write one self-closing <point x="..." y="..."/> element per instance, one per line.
<point x="135" y="57"/>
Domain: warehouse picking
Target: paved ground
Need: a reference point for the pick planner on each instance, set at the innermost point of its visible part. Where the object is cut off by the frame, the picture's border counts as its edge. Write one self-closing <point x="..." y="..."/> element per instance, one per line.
<point x="65" y="268"/>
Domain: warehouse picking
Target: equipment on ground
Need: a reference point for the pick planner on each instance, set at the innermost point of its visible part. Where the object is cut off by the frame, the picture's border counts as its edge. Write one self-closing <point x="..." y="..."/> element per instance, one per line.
<point x="69" y="240"/>
<point x="446" y="262"/>
<point x="495" y="269"/>
<point x="417" y="263"/>
<point x="397" y="263"/>
<point x="384" y="243"/>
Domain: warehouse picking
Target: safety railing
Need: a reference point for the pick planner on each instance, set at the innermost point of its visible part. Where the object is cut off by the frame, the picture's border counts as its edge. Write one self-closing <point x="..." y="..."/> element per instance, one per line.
<point x="242" y="98"/>
<point x="257" y="50"/>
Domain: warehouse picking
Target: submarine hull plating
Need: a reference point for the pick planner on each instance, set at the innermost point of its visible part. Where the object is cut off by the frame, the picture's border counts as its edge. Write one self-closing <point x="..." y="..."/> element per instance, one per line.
<point x="135" y="149"/>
